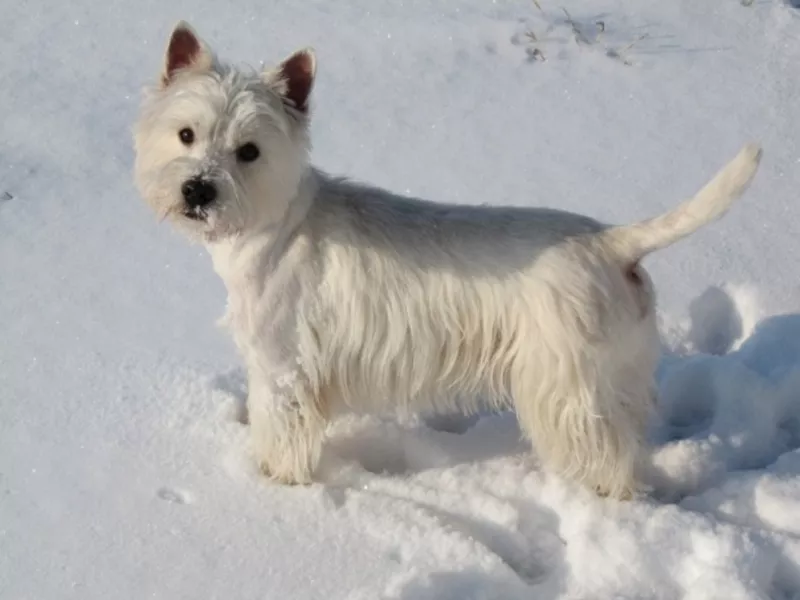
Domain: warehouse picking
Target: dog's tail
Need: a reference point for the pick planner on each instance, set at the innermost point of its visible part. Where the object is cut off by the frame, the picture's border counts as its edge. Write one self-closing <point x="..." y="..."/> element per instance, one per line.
<point x="633" y="242"/>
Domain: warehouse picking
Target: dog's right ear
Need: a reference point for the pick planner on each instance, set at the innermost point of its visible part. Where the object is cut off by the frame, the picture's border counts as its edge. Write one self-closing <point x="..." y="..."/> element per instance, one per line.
<point x="185" y="51"/>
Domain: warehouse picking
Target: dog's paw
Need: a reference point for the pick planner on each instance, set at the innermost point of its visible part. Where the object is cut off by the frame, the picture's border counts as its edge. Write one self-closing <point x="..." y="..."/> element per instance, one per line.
<point x="626" y="494"/>
<point x="287" y="459"/>
<point x="283" y="477"/>
<point x="623" y="496"/>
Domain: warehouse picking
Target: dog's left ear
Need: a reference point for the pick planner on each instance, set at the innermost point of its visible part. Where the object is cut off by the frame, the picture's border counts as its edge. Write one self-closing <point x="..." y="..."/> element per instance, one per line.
<point x="294" y="79"/>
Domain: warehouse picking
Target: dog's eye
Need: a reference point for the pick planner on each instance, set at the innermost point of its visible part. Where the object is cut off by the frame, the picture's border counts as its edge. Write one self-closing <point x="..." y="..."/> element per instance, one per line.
<point x="186" y="135"/>
<point x="248" y="152"/>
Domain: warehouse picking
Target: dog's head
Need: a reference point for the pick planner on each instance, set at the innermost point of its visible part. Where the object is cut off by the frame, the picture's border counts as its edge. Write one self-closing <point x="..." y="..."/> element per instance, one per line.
<point x="220" y="150"/>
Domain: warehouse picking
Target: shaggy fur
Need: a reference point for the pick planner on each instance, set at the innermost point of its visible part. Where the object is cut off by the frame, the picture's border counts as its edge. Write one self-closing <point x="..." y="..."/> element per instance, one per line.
<point x="343" y="296"/>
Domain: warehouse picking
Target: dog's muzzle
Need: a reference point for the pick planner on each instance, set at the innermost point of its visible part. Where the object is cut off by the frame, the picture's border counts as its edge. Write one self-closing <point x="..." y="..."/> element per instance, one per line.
<point x="198" y="193"/>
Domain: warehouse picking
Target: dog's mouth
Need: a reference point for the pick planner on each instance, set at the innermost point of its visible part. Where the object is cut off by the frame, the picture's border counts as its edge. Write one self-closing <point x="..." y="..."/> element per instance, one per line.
<point x="196" y="213"/>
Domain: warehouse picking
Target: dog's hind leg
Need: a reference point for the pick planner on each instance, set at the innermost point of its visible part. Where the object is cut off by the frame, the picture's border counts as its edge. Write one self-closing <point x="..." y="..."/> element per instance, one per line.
<point x="574" y="437"/>
<point x="585" y="423"/>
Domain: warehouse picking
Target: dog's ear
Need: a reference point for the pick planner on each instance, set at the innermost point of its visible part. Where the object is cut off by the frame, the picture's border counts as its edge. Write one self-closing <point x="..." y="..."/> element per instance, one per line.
<point x="294" y="79"/>
<point x="185" y="51"/>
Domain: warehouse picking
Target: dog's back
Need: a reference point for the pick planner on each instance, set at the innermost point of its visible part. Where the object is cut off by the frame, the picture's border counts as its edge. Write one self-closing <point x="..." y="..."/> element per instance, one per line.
<point x="491" y="241"/>
<point x="437" y="236"/>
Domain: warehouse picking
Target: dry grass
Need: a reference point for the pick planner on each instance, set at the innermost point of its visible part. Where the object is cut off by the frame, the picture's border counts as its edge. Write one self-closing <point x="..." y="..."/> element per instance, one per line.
<point x="582" y="37"/>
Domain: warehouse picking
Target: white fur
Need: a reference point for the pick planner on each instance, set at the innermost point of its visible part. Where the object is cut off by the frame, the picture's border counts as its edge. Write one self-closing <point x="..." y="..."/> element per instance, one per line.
<point x="346" y="297"/>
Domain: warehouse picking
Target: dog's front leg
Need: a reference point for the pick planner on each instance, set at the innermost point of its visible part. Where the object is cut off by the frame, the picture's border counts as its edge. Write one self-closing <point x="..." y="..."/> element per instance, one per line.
<point x="287" y="426"/>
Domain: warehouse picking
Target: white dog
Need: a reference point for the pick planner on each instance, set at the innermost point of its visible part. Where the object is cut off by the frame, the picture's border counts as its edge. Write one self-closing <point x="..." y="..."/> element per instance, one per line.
<point x="348" y="297"/>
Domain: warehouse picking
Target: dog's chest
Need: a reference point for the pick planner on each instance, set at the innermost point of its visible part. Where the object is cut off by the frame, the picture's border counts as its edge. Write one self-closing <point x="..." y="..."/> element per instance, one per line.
<point x="263" y="295"/>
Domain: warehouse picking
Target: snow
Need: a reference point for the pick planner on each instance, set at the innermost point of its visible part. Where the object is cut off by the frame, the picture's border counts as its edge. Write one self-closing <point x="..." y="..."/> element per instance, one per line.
<point x="124" y="466"/>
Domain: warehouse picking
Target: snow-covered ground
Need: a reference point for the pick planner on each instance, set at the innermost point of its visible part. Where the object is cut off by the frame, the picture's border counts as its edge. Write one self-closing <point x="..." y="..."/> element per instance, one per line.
<point x="124" y="469"/>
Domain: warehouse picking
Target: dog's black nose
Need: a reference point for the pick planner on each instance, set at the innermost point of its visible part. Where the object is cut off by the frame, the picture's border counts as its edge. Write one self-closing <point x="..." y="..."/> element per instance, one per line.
<point x="198" y="192"/>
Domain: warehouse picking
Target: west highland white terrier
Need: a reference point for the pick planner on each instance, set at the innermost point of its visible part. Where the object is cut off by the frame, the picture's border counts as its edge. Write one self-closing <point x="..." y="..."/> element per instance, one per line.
<point x="343" y="296"/>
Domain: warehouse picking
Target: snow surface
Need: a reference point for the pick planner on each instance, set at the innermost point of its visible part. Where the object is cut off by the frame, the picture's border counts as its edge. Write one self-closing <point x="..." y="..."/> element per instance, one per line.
<point x="124" y="469"/>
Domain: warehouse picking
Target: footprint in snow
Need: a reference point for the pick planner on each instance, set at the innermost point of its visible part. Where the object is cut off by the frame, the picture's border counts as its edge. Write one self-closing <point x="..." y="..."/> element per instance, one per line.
<point x="716" y="321"/>
<point x="173" y="496"/>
